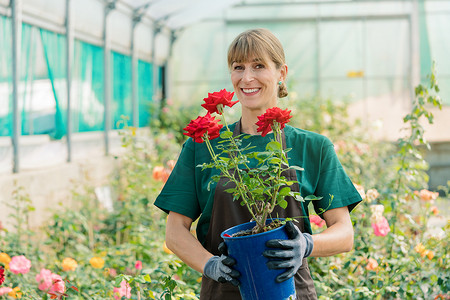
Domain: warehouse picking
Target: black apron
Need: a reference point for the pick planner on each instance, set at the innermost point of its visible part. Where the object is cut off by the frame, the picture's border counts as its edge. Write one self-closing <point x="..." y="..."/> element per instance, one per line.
<point x="227" y="213"/>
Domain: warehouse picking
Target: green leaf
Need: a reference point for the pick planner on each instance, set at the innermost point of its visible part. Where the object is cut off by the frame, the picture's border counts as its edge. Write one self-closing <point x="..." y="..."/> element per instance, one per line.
<point x="275" y="160"/>
<point x="226" y="134"/>
<point x="297" y="168"/>
<point x="140" y="279"/>
<point x="257" y="191"/>
<point x="263" y="155"/>
<point x="283" y="204"/>
<point x="230" y="191"/>
<point x="151" y="295"/>
<point x="117" y="281"/>
<point x="147" y="278"/>
<point x="284" y="191"/>
<point x="312" y="197"/>
<point x="273" y="146"/>
<point x="298" y="197"/>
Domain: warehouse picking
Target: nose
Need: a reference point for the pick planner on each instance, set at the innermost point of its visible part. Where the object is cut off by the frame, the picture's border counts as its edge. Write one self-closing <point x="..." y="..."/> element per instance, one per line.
<point x="247" y="75"/>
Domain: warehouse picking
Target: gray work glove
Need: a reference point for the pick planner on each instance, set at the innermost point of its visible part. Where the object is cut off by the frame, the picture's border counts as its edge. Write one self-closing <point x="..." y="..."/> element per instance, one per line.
<point x="219" y="268"/>
<point x="290" y="253"/>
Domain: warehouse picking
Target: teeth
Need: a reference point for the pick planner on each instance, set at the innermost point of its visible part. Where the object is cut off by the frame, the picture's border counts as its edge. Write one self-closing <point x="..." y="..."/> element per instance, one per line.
<point x="250" y="90"/>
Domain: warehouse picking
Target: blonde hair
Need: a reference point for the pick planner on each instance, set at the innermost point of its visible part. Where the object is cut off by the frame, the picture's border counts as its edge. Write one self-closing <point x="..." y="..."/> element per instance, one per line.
<point x="259" y="43"/>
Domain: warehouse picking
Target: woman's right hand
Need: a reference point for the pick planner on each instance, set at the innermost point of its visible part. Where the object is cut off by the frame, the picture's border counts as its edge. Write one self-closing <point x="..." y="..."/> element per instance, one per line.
<point x="219" y="268"/>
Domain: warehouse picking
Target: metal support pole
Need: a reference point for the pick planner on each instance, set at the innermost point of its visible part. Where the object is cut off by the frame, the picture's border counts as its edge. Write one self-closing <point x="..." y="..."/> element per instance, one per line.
<point x="69" y="58"/>
<point x="317" y="41"/>
<point x="106" y="75"/>
<point x="167" y="88"/>
<point x="137" y="17"/>
<point x="134" y="83"/>
<point x="414" y="49"/>
<point x="155" y="83"/>
<point x="364" y="69"/>
<point x="16" y="28"/>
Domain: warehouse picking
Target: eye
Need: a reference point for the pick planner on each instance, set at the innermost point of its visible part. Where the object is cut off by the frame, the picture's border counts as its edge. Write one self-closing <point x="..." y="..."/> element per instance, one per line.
<point x="259" y="66"/>
<point x="238" y="67"/>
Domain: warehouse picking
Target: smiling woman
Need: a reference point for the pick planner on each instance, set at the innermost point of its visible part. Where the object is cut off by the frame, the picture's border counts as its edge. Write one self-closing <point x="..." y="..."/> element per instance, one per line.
<point x="257" y="71"/>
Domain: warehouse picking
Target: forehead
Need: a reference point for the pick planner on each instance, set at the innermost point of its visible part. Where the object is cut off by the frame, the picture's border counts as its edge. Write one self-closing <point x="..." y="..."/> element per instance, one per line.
<point x="251" y="59"/>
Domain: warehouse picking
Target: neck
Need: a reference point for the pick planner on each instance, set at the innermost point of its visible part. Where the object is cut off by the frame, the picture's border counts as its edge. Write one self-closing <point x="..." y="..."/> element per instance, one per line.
<point x="248" y="122"/>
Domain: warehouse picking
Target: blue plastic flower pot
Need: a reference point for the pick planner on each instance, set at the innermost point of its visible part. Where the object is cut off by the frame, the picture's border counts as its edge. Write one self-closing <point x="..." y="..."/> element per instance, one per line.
<point x="257" y="281"/>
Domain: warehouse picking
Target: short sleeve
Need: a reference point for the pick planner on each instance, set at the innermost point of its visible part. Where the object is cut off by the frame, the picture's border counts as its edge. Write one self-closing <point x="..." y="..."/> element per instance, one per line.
<point x="179" y="192"/>
<point x="333" y="183"/>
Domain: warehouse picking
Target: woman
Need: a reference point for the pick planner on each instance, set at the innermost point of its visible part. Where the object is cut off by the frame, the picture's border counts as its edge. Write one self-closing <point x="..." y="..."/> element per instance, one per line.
<point x="258" y="73"/>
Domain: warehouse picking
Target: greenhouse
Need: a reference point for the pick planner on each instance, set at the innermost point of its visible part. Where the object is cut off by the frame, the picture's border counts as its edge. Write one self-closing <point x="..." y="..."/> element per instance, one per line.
<point x="95" y="101"/>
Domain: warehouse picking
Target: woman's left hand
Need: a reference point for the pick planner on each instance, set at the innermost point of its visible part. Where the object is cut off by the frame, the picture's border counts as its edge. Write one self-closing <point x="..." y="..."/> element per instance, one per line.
<point x="289" y="253"/>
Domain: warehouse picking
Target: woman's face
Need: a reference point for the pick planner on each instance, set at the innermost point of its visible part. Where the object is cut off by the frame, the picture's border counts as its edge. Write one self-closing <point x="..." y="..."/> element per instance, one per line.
<point x="255" y="83"/>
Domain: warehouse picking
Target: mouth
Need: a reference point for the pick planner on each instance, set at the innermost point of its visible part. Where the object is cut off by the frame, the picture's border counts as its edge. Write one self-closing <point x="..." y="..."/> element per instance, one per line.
<point x="250" y="92"/>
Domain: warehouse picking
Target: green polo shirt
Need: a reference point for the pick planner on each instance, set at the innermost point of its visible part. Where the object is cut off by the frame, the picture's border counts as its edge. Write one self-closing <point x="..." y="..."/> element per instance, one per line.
<point x="186" y="191"/>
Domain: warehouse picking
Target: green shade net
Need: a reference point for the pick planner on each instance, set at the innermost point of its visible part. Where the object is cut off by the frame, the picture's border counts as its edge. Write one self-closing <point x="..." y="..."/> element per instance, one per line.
<point x="54" y="46"/>
<point x="87" y="87"/>
<point x="145" y="92"/>
<point x="121" y="105"/>
<point x="5" y="78"/>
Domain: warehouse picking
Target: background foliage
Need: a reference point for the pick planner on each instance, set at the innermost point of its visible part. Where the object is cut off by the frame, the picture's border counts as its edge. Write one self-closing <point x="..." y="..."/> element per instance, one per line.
<point x="124" y="228"/>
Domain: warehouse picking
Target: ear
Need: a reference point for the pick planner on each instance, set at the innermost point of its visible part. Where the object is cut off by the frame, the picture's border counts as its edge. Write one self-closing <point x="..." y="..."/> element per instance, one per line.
<point x="283" y="72"/>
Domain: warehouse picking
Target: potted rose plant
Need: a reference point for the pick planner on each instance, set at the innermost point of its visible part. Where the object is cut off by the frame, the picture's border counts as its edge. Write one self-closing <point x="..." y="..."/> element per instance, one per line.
<point x="260" y="189"/>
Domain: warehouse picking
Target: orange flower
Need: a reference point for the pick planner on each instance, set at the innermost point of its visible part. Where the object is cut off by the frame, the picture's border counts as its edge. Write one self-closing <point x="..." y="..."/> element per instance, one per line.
<point x="372" y="265"/>
<point x="69" y="264"/>
<point x="426" y="195"/>
<point x="430" y="254"/>
<point x="5" y="259"/>
<point x="97" y="262"/>
<point x="372" y="194"/>
<point x="157" y="172"/>
<point x="420" y="248"/>
<point x="171" y="164"/>
<point x="15" y="293"/>
<point x="340" y="145"/>
<point x="434" y="210"/>
<point x="161" y="173"/>
<point x="360" y="190"/>
<point x="167" y="250"/>
<point x="423" y="251"/>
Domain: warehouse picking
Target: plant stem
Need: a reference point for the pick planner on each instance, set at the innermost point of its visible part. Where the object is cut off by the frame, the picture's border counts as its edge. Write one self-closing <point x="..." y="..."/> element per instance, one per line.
<point x="225" y="172"/>
<point x="277" y="135"/>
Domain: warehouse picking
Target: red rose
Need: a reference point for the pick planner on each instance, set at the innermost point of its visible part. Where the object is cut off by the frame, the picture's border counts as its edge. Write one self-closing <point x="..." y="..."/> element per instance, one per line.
<point x="2" y="275"/>
<point x="208" y="125"/>
<point x="275" y="114"/>
<point x="212" y="103"/>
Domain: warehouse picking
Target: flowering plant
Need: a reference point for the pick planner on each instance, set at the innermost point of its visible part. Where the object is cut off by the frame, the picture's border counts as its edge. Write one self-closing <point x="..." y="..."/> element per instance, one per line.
<point x="259" y="189"/>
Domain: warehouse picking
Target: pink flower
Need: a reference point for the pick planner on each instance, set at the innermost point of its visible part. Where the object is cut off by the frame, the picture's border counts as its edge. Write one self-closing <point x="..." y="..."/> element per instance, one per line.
<point x="44" y="279"/>
<point x="5" y="290"/>
<point x="123" y="291"/>
<point x="381" y="227"/>
<point x="138" y="265"/>
<point x="112" y="272"/>
<point x="58" y="286"/>
<point x="19" y="265"/>
<point x="49" y="281"/>
<point x="315" y="219"/>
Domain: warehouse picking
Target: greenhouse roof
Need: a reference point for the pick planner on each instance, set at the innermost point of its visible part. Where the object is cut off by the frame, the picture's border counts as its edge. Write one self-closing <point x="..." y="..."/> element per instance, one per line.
<point x="179" y="13"/>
